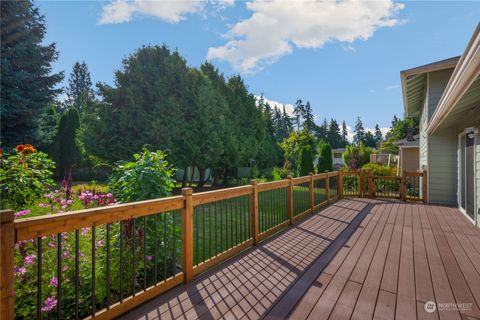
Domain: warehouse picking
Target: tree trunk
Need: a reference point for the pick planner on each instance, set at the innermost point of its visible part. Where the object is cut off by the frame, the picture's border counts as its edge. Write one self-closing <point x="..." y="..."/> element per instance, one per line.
<point x="201" y="181"/>
<point x="184" y="179"/>
<point x="191" y="176"/>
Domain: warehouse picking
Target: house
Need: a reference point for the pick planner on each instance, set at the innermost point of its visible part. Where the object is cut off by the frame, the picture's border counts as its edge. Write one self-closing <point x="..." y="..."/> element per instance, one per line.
<point x="337" y="159"/>
<point x="445" y="95"/>
<point x="408" y="152"/>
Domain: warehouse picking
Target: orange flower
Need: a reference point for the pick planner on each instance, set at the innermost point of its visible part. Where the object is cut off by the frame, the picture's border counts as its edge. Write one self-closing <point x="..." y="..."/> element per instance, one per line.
<point x="20" y="148"/>
<point x="28" y="150"/>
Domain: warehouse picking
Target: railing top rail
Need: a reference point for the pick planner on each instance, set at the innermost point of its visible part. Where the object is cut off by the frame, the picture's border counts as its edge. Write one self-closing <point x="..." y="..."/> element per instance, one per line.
<point x="319" y="176"/>
<point x="299" y="180"/>
<point x="35" y="227"/>
<point x="387" y="177"/>
<point x="273" y="185"/>
<point x="222" y="194"/>
<point x="414" y="173"/>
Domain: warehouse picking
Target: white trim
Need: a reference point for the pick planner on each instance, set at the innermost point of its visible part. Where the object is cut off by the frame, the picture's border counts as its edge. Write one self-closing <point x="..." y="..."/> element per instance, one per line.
<point x="466" y="215"/>
<point x="459" y="194"/>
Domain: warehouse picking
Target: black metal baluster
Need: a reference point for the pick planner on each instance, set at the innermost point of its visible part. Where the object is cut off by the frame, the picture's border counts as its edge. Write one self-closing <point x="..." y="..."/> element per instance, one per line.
<point x="39" y="278"/>
<point x="134" y="253"/>
<point x="155" y="249"/>
<point x="215" y="225"/>
<point x="174" y="252"/>
<point x="195" y="212"/>
<point x="209" y="232"/>
<point x="221" y="228"/>
<point x="144" y="253"/>
<point x="108" y="265"/>
<point x="203" y="234"/>
<point x="59" y="275"/>
<point x="237" y="220"/>
<point x="77" y="274"/>
<point x="226" y="224"/>
<point x="93" y="270"/>
<point x="164" y="246"/>
<point x="242" y="218"/>
<point x="121" y="261"/>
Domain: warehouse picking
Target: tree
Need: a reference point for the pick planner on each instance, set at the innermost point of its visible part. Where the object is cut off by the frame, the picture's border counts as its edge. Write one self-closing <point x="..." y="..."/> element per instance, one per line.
<point x="325" y="161"/>
<point x="65" y="149"/>
<point x="299" y="113"/>
<point x="370" y="140"/>
<point x="344" y="134"/>
<point x="334" y="137"/>
<point x="79" y="91"/>
<point x="305" y="162"/>
<point x="309" y="122"/>
<point x="378" y="135"/>
<point x="295" y="142"/>
<point x="48" y="127"/>
<point x="321" y="131"/>
<point x="356" y="155"/>
<point x="28" y="86"/>
<point x="359" y="132"/>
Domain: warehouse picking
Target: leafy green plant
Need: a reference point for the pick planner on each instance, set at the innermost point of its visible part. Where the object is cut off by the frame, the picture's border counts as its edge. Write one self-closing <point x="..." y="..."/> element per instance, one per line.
<point x="379" y="169"/>
<point x="305" y="162"/>
<point x="25" y="176"/>
<point x="325" y="161"/>
<point x="148" y="177"/>
<point x="357" y="155"/>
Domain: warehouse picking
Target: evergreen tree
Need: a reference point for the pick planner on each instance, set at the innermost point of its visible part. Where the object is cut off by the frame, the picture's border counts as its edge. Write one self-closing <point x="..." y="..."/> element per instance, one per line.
<point x="369" y="140"/>
<point x="299" y="113"/>
<point x="309" y="122"/>
<point x="79" y="92"/>
<point x="325" y="161"/>
<point x="321" y="131"/>
<point x="287" y="122"/>
<point x="28" y="86"/>
<point x="359" y="132"/>
<point x="48" y="127"/>
<point x="378" y="135"/>
<point x="334" y="138"/>
<point x="305" y="162"/>
<point x="65" y="149"/>
<point x="344" y="134"/>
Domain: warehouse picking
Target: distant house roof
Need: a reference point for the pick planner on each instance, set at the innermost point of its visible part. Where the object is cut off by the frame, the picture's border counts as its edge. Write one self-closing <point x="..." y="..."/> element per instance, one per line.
<point x="405" y="142"/>
<point x="338" y="150"/>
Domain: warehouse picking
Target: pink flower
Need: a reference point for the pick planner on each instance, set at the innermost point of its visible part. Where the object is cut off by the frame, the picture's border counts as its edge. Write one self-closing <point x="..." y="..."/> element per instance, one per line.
<point x="30" y="259"/>
<point x="51" y="244"/>
<point x="100" y="243"/>
<point x="20" y="271"/>
<point x="22" y="213"/>
<point x="84" y="231"/>
<point x="109" y="195"/>
<point x="44" y="205"/>
<point x="50" y="304"/>
<point x="66" y="254"/>
<point x="149" y="258"/>
<point x="54" y="282"/>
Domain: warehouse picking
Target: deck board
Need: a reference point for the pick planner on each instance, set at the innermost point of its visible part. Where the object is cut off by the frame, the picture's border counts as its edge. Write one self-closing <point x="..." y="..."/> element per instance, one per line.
<point x="357" y="259"/>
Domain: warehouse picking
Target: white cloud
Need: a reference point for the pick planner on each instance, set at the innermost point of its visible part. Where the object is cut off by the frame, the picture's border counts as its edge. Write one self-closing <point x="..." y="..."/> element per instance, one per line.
<point x="392" y="87"/>
<point x="275" y="28"/>
<point x="120" y="11"/>
<point x="278" y="105"/>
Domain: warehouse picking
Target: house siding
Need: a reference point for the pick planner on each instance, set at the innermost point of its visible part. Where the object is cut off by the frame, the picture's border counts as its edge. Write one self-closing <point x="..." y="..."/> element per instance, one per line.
<point x="442" y="167"/>
<point x="477" y="185"/>
<point x="423" y="137"/>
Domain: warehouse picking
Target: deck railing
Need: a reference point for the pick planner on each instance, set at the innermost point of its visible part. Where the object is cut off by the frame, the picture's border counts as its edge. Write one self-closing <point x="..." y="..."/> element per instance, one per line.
<point x="125" y="254"/>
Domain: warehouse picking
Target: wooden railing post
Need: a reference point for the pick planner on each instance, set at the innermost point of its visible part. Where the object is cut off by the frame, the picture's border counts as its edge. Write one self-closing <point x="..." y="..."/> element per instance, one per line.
<point x="290" y="199"/>
<point x="7" y="280"/>
<point x="187" y="234"/>
<point x="359" y="180"/>
<point x="327" y="187"/>
<point x="403" y="186"/>
<point x="424" y="186"/>
<point x="254" y="211"/>
<point x="340" y="184"/>
<point x="312" y="193"/>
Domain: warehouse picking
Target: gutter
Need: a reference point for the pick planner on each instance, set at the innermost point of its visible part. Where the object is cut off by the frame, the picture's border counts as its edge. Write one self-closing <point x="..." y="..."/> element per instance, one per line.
<point x="465" y="73"/>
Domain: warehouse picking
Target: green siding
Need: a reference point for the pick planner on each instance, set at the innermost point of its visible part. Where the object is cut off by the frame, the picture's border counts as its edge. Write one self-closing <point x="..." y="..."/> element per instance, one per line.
<point x="477" y="186"/>
<point x="442" y="167"/>
<point x="437" y="82"/>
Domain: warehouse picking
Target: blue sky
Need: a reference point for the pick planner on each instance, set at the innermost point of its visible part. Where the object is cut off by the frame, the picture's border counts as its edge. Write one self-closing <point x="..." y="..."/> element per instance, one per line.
<point x="346" y="65"/>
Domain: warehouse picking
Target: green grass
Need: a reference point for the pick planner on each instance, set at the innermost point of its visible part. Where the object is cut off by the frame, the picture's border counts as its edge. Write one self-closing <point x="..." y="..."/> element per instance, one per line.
<point x="223" y="224"/>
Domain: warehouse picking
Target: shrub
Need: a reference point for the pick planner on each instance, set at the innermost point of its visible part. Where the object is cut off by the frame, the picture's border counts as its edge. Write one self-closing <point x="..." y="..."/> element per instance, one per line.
<point x="325" y="161"/>
<point x="356" y="155"/>
<point x="281" y="173"/>
<point x="305" y="161"/>
<point x="379" y="169"/>
<point x="148" y="177"/>
<point x="25" y="176"/>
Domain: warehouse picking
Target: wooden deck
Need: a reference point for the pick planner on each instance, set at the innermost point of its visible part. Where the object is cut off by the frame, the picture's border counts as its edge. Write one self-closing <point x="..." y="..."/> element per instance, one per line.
<point x="358" y="259"/>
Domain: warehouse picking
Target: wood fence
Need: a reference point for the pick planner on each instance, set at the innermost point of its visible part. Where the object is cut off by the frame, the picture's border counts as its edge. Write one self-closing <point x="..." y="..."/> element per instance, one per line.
<point x="158" y="244"/>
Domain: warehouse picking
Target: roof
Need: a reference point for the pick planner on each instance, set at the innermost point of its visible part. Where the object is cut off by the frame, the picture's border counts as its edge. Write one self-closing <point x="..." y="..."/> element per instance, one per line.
<point x="406" y="143"/>
<point x="338" y="150"/>
<point x="466" y="72"/>
<point x="414" y="84"/>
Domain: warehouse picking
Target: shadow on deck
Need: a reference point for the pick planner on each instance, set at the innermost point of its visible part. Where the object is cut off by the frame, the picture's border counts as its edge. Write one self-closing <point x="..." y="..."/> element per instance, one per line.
<point x="358" y="258"/>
